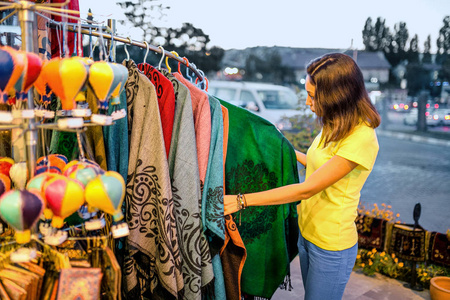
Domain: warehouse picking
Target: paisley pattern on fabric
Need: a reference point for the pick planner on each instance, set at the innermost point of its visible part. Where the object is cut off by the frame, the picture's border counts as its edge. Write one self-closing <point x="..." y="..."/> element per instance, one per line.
<point x="152" y="255"/>
<point x="195" y="251"/>
<point x="215" y="199"/>
<point x="192" y="245"/>
<point x="248" y="178"/>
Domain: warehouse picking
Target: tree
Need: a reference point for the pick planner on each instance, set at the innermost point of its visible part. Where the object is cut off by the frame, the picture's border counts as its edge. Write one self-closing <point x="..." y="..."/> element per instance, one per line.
<point x="187" y="41"/>
<point x="413" y="51"/>
<point x="426" y="59"/>
<point x="417" y="77"/>
<point x="367" y="35"/>
<point x="141" y="13"/>
<point x="375" y="38"/>
<point x="395" y="51"/>
<point x="443" y="42"/>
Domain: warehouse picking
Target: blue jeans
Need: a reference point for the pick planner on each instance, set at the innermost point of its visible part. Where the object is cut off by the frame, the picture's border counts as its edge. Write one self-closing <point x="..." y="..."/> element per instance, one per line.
<point x="325" y="273"/>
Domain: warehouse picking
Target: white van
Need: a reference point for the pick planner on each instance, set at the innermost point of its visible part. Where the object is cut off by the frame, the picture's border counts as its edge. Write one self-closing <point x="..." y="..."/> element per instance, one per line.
<point x="272" y="102"/>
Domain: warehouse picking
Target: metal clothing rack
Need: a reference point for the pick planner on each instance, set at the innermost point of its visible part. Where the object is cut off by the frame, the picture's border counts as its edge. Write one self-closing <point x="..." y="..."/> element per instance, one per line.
<point x="27" y="11"/>
<point x="87" y="29"/>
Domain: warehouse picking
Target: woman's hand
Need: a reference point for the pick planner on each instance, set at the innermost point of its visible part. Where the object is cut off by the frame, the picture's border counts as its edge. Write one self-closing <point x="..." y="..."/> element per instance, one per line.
<point x="230" y="204"/>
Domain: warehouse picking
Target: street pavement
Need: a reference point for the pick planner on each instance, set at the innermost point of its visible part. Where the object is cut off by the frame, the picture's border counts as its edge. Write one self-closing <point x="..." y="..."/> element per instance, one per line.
<point x="359" y="287"/>
<point x="410" y="168"/>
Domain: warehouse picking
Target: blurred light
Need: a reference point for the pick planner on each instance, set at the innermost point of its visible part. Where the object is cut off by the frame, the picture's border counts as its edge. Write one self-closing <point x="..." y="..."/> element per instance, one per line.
<point x="406" y="107"/>
<point x="445" y="83"/>
<point x="402" y="105"/>
<point x="415" y="104"/>
<point x="231" y="71"/>
<point x="427" y="113"/>
<point x="436" y="105"/>
<point x="208" y="53"/>
<point x="435" y="117"/>
<point x="395" y="106"/>
<point x="302" y="81"/>
<point x="428" y="105"/>
<point x="438" y="83"/>
<point x="374" y="80"/>
<point x="447" y="117"/>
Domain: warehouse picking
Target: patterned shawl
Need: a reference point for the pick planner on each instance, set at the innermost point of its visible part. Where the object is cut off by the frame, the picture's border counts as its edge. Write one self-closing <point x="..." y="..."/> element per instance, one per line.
<point x="196" y="258"/>
<point x="166" y="100"/>
<point x="259" y="158"/>
<point x="202" y="123"/>
<point x="212" y="197"/>
<point x="153" y="259"/>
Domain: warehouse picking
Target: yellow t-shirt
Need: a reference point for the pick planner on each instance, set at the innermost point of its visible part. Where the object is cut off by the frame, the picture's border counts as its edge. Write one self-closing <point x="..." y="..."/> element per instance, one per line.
<point x="327" y="219"/>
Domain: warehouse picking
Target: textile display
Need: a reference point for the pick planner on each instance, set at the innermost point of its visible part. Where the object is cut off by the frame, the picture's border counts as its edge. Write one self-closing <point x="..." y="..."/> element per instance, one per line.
<point x="259" y="158"/>
<point x="152" y="254"/>
<point x="407" y="243"/>
<point x="439" y="248"/>
<point x="371" y="232"/>
<point x="186" y="189"/>
<point x="79" y="283"/>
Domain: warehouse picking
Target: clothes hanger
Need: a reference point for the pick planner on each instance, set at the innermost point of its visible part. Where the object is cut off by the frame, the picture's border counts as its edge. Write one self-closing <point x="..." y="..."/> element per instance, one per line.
<point x="167" y="60"/>
<point x="187" y="69"/>
<point x="146" y="52"/>
<point x="126" y="50"/>
<point x="163" y="52"/>
<point x="185" y="61"/>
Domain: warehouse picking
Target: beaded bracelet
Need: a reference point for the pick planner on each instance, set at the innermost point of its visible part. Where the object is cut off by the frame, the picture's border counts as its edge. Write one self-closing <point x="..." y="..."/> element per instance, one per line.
<point x="241" y="204"/>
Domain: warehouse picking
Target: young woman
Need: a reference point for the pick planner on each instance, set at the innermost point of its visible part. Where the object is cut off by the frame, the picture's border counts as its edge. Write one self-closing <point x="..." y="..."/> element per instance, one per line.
<point x="337" y="165"/>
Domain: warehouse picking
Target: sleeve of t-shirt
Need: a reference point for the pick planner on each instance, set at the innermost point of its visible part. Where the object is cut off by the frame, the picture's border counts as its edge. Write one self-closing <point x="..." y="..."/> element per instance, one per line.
<point x="361" y="147"/>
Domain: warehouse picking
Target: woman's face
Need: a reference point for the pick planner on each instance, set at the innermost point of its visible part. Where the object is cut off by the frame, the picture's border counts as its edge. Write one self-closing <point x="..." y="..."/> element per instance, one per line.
<point x="311" y="91"/>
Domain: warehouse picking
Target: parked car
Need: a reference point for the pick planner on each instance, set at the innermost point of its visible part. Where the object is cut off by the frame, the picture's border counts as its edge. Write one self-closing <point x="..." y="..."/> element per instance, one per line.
<point x="434" y="117"/>
<point x="272" y="102"/>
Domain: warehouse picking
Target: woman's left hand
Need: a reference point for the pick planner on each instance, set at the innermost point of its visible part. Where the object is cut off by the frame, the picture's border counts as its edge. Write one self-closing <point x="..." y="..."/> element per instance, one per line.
<point x="230" y="204"/>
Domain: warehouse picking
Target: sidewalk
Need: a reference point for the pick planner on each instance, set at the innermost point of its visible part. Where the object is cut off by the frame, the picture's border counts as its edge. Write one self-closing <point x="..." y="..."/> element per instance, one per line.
<point x="359" y="287"/>
<point x="428" y="137"/>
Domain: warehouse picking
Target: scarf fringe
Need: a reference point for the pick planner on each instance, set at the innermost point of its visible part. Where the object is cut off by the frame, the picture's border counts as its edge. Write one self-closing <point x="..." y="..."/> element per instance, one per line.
<point x="208" y="292"/>
<point x="286" y="284"/>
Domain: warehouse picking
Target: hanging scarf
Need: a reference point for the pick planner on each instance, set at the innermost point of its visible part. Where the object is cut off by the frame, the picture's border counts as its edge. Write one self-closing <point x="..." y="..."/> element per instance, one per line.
<point x="196" y="258"/>
<point x="202" y="123"/>
<point x="259" y="158"/>
<point x="212" y="197"/>
<point x="116" y="140"/>
<point x="153" y="259"/>
<point x="232" y="254"/>
<point x="166" y="100"/>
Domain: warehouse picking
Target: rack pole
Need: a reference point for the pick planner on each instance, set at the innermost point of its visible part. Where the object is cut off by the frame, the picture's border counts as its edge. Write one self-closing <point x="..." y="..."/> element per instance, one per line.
<point x="73" y="28"/>
<point x="26" y="19"/>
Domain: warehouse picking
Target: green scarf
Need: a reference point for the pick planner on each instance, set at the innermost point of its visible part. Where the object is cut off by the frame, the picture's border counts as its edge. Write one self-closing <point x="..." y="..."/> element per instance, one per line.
<point x="260" y="158"/>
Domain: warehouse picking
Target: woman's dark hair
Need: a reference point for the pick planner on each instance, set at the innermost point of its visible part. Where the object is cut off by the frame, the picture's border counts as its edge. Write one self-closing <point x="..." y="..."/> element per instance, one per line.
<point x="341" y="101"/>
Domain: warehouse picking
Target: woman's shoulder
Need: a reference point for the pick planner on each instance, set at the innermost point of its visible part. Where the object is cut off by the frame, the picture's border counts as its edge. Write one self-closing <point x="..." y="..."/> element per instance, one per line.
<point x="363" y="128"/>
<point x="363" y="133"/>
